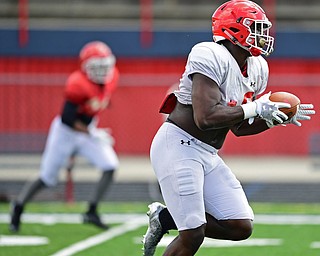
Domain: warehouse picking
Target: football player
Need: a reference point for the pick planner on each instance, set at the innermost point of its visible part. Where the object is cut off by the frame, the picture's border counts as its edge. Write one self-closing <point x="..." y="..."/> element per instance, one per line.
<point x="74" y="131"/>
<point x="217" y="94"/>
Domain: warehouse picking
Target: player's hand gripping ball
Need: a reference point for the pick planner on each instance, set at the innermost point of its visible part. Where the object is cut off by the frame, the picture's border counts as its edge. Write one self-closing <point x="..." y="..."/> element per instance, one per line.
<point x="286" y="97"/>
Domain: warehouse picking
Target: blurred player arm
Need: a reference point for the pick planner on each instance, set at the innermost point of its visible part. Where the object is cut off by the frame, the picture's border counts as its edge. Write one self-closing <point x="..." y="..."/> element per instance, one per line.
<point x="69" y="117"/>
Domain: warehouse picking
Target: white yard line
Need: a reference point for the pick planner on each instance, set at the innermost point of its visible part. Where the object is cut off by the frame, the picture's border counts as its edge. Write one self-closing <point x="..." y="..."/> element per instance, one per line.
<point x="73" y="218"/>
<point x="53" y="218"/>
<point x="129" y="222"/>
<point x="102" y="237"/>
<point x="208" y="242"/>
<point x="22" y="240"/>
<point x="315" y="245"/>
<point x="290" y="219"/>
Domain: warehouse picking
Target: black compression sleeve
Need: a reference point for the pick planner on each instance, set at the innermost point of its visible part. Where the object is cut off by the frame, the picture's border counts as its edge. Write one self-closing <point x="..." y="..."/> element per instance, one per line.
<point x="69" y="113"/>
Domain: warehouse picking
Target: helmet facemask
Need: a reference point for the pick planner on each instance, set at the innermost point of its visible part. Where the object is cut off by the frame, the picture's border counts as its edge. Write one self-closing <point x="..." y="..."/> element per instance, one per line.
<point x="259" y="40"/>
<point x="97" y="69"/>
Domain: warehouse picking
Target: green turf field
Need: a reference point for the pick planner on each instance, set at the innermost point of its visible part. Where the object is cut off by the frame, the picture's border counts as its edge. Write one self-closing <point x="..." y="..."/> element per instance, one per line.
<point x="280" y="230"/>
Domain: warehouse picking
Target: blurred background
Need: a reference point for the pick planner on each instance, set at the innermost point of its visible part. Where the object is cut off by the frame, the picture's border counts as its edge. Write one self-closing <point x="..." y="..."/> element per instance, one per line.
<point x="39" y="45"/>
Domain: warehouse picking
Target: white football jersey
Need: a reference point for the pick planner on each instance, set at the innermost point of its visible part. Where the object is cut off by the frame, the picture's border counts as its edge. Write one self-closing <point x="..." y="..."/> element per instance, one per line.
<point x="215" y="61"/>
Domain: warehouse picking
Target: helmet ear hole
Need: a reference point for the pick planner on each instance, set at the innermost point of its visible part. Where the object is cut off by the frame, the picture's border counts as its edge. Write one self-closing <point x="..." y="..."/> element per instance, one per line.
<point x="235" y="30"/>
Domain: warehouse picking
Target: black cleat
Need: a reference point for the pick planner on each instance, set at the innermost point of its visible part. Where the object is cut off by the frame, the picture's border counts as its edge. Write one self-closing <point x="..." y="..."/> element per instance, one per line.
<point x="16" y="212"/>
<point x="94" y="219"/>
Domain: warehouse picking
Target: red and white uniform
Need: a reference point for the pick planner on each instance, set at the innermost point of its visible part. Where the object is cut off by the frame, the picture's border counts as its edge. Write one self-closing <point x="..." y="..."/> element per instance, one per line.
<point x="63" y="141"/>
<point x="91" y="97"/>
<point x="215" y="61"/>
<point x="193" y="177"/>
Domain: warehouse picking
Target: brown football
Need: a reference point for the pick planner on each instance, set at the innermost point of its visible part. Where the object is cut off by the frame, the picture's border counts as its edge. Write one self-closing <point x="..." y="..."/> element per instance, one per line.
<point x="286" y="97"/>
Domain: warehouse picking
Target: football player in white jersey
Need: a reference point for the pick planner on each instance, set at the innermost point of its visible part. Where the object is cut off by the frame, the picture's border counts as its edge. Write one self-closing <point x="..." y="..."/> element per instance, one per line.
<point x="217" y="94"/>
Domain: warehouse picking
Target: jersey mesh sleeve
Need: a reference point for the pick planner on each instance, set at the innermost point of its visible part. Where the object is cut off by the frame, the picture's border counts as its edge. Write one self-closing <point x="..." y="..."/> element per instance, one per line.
<point x="204" y="60"/>
<point x="75" y="92"/>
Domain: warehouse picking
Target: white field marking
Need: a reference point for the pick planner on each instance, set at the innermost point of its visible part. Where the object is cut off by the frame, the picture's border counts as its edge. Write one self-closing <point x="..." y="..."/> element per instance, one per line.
<point x="166" y="240"/>
<point x="102" y="237"/>
<point x="133" y="221"/>
<point x="315" y="245"/>
<point x="53" y="218"/>
<point x="290" y="219"/>
<point x="22" y="240"/>
<point x="225" y="243"/>
<point x="70" y="218"/>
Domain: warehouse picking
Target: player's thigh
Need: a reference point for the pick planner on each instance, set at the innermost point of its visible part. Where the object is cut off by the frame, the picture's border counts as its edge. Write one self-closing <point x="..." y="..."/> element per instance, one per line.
<point x="101" y="155"/>
<point x="59" y="146"/>
<point x="180" y="175"/>
<point x="224" y="196"/>
<point x="182" y="191"/>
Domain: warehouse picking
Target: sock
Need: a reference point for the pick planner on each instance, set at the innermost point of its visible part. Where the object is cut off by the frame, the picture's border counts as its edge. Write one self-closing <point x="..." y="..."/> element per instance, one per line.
<point x="29" y="190"/>
<point x="92" y="208"/>
<point x="102" y="186"/>
<point x="166" y="221"/>
<point x="18" y="208"/>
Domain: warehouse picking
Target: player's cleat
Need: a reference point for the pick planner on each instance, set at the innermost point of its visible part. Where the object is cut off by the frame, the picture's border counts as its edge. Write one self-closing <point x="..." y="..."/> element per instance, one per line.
<point x="154" y="232"/>
<point x="16" y="211"/>
<point x="94" y="219"/>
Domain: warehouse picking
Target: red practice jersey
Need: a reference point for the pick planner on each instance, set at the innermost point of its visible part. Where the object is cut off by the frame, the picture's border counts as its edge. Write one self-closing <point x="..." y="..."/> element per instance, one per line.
<point x="91" y="98"/>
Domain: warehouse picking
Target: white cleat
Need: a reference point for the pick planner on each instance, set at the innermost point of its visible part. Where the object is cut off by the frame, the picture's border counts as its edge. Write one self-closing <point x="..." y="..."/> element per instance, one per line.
<point x="154" y="232"/>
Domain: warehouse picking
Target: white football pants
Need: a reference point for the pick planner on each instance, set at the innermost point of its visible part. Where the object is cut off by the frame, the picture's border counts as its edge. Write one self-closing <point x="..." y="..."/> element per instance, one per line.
<point x="195" y="180"/>
<point x="63" y="141"/>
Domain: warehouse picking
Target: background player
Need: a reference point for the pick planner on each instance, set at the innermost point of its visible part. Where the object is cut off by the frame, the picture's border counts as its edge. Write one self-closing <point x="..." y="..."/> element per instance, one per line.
<point x="74" y="132"/>
<point x="217" y="94"/>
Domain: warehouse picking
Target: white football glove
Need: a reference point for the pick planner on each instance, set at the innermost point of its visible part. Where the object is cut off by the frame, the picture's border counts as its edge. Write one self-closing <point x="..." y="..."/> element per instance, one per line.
<point x="102" y="135"/>
<point x="303" y="113"/>
<point x="269" y="110"/>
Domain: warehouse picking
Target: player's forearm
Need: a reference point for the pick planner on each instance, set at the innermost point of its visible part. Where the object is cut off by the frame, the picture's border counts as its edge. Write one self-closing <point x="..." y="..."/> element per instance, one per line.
<point x="246" y="128"/>
<point x="218" y="117"/>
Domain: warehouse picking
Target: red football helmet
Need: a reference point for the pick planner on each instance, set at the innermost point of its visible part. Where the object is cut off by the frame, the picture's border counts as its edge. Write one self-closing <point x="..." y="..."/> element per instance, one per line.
<point x="97" y="61"/>
<point x="245" y="24"/>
